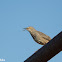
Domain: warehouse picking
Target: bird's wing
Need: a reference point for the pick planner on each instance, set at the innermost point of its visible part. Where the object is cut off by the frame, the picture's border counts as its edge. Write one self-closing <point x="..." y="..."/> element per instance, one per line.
<point x="44" y="35"/>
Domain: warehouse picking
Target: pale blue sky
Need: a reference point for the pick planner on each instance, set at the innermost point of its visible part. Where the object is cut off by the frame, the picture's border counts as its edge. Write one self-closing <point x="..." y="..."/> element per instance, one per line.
<point x="17" y="45"/>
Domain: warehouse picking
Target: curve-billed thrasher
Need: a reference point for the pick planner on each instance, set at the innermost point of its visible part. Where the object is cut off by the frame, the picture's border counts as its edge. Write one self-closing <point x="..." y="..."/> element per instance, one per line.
<point x="38" y="36"/>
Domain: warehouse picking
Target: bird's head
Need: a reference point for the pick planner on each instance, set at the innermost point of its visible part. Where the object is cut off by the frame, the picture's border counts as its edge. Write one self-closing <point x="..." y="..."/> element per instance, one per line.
<point x="30" y="29"/>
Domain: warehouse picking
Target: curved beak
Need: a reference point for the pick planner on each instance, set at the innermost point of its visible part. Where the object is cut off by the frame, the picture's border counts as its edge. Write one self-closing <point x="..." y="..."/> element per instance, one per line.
<point x="24" y="29"/>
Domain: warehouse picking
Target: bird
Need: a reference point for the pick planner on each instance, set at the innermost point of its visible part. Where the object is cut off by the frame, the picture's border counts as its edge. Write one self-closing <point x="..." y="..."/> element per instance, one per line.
<point x="38" y="36"/>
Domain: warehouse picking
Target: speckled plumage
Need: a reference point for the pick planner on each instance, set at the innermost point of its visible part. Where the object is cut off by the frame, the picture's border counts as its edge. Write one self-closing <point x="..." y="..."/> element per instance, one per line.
<point x="38" y="36"/>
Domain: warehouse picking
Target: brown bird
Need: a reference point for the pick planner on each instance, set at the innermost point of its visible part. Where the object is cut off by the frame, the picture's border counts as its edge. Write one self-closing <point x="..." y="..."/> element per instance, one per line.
<point x="38" y="36"/>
